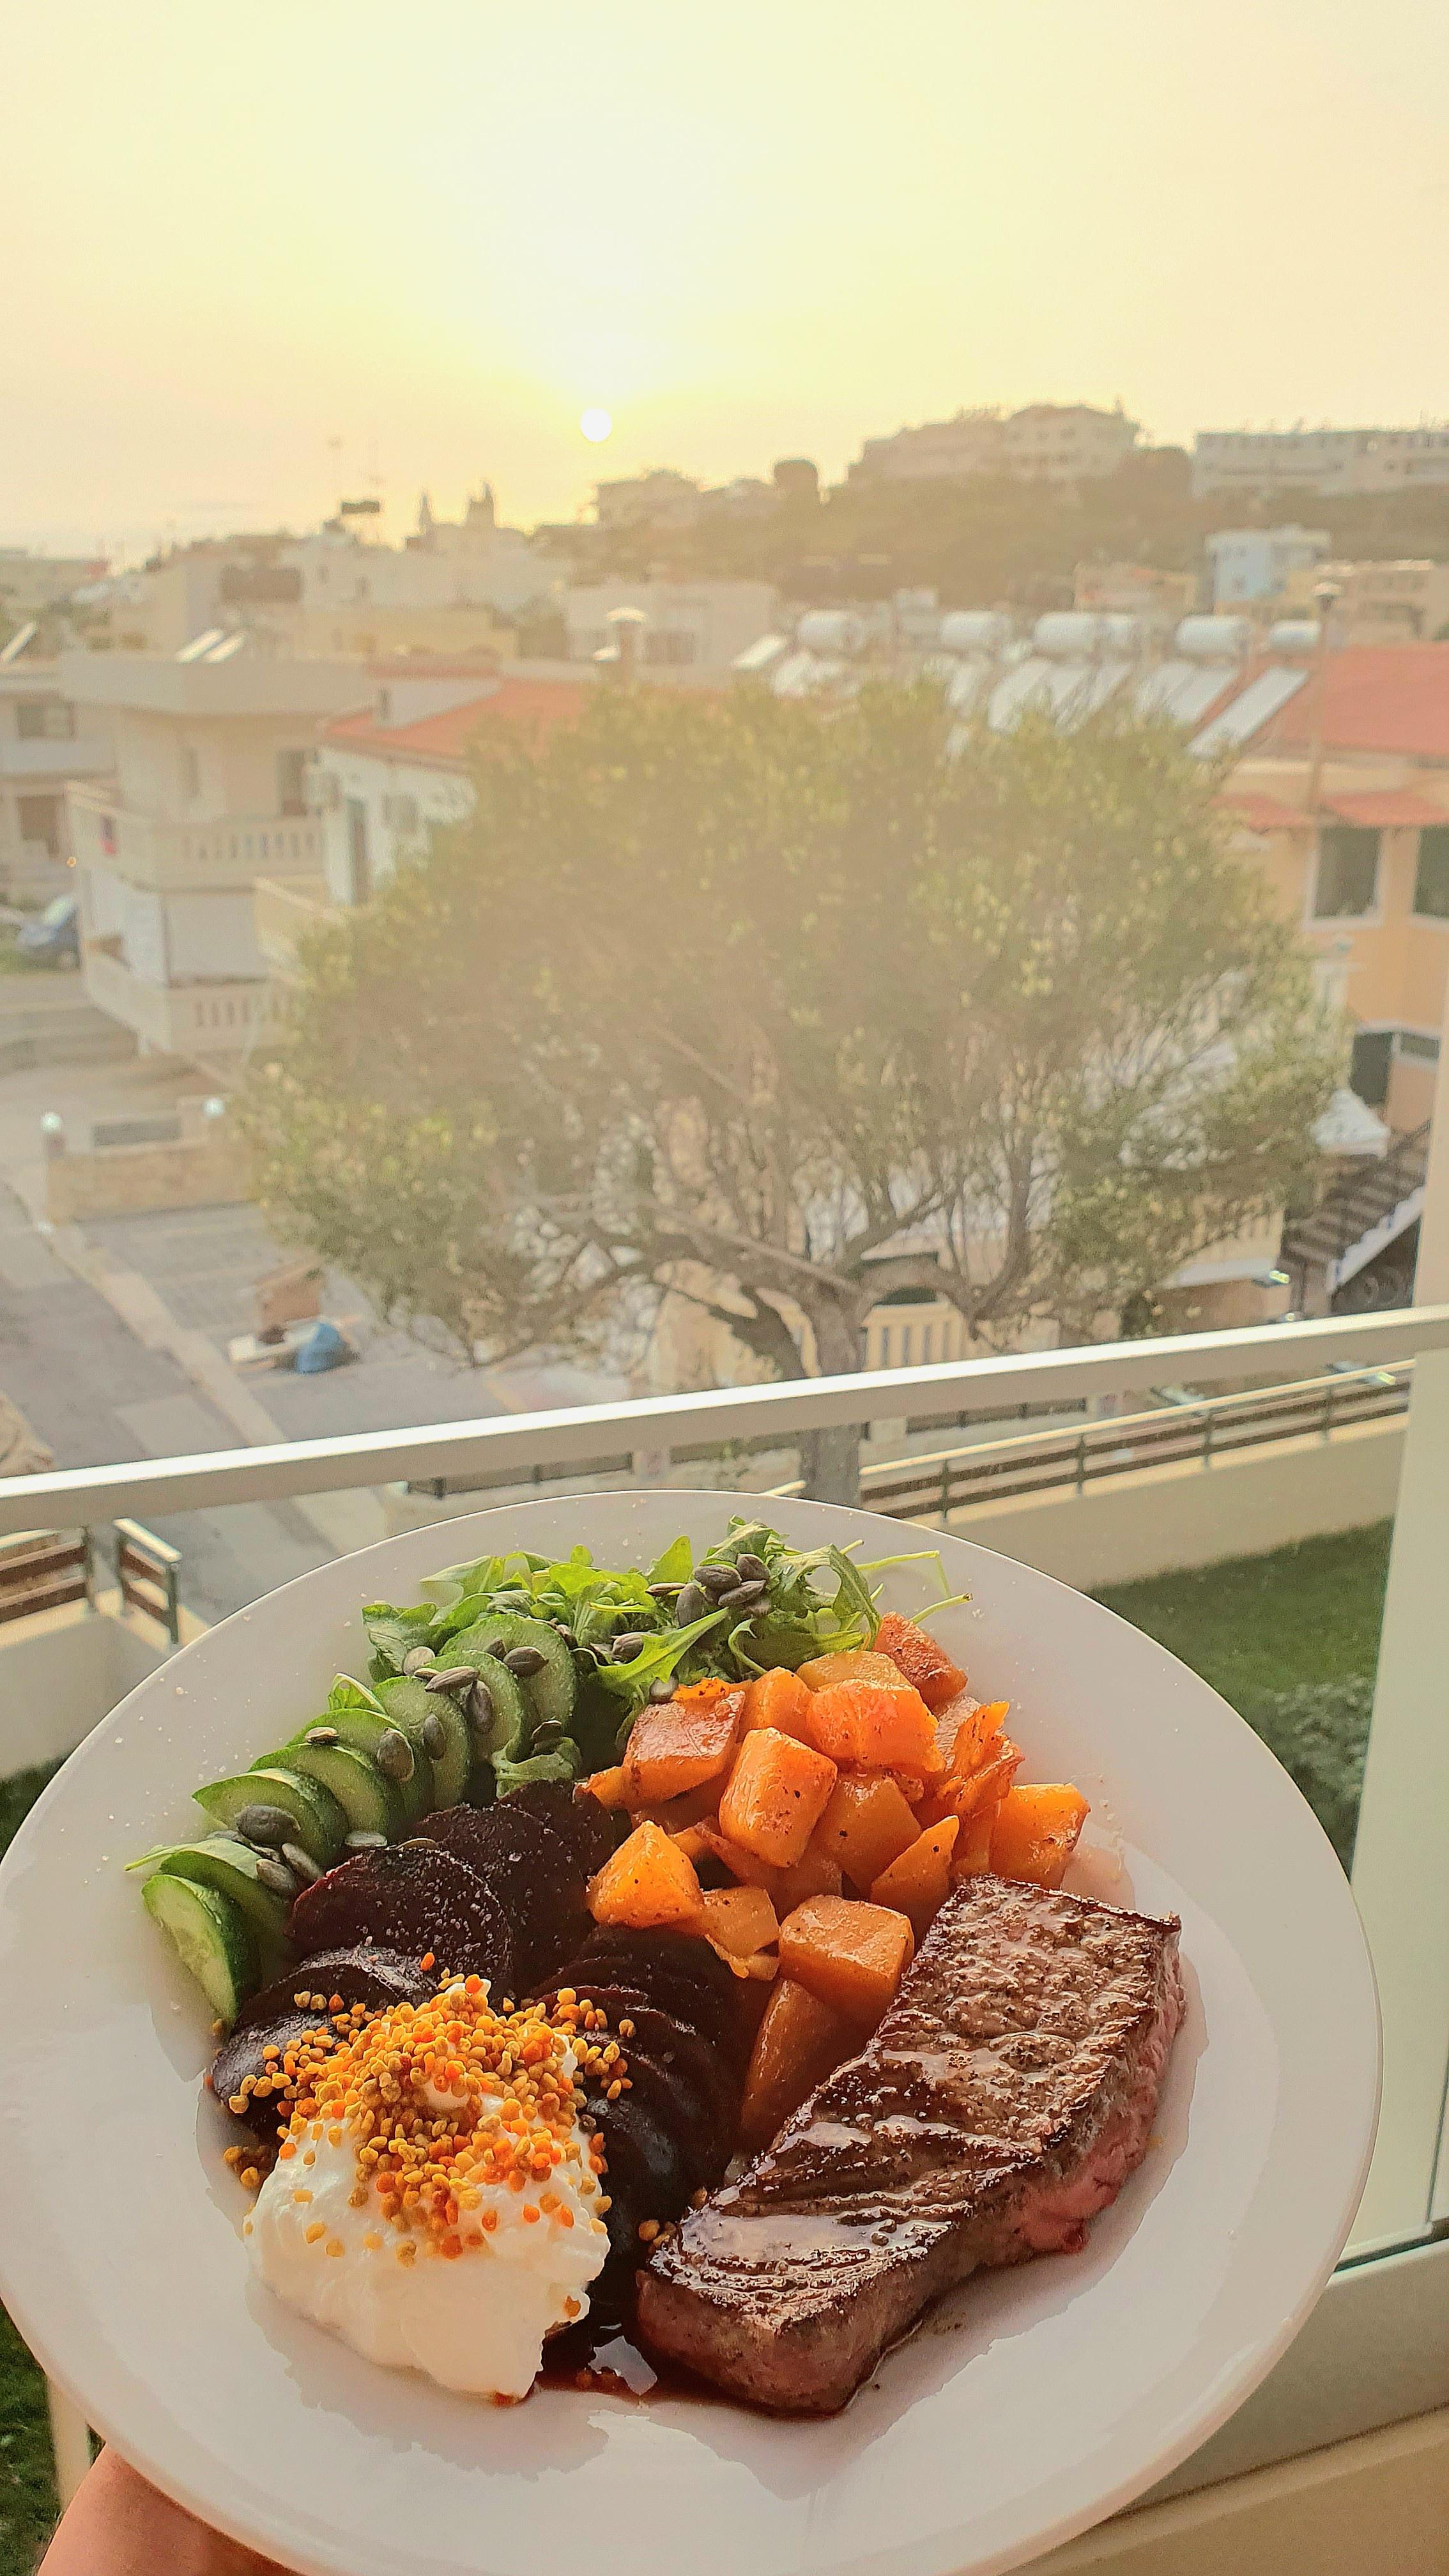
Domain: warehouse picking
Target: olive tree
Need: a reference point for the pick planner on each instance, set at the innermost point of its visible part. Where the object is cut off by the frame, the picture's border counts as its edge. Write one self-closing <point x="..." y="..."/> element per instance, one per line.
<point x="780" y="1009"/>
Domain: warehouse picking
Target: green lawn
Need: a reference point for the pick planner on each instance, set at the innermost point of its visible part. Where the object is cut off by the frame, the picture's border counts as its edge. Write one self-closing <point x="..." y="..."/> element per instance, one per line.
<point x="1291" y="1640"/>
<point x="27" y="2486"/>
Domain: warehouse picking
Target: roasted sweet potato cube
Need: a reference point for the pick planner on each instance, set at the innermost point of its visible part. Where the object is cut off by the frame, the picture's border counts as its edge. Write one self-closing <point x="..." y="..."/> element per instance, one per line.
<point x="852" y="1956"/>
<point x="988" y="1786"/>
<point x="746" y="1866"/>
<point x="919" y="1882"/>
<point x="865" y="1728"/>
<point x="740" y="1920"/>
<point x="926" y="1665"/>
<point x="778" y="1699"/>
<point x="866" y="1825"/>
<point x="1036" y="1832"/>
<point x="799" y="2042"/>
<point x="776" y="1792"/>
<point x="680" y="1746"/>
<point x="813" y="1874"/>
<point x="609" y="1788"/>
<point x="647" y="1883"/>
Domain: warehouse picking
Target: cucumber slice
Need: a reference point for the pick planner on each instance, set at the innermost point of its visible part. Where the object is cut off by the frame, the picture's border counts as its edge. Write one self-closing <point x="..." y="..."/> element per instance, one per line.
<point x="371" y="1804"/>
<point x="549" y="1694"/>
<point x="321" y="1824"/>
<point x="408" y="1703"/>
<point x="230" y="1867"/>
<point x="362" y="1730"/>
<point x="212" y="1937"/>
<point x="514" y="1714"/>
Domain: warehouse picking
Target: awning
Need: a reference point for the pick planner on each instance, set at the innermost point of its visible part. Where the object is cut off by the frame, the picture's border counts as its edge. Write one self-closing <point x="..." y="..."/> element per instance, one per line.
<point x="1261" y="813"/>
<point x="1387" y="809"/>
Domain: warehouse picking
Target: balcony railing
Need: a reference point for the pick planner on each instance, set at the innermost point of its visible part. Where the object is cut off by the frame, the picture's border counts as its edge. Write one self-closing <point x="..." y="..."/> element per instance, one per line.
<point x="282" y="912"/>
<point x="232" y="850"/>
<point x="178" y="1019"/>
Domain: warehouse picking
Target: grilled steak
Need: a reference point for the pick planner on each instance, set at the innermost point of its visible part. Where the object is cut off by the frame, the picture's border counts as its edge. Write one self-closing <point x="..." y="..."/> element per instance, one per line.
<point x="1002" y="2103"/>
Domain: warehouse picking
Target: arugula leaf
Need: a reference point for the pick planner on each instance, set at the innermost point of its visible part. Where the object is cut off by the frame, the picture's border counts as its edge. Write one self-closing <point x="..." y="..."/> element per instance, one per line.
<point x="346" y="1693"/>
<point x="675" y="1566"/>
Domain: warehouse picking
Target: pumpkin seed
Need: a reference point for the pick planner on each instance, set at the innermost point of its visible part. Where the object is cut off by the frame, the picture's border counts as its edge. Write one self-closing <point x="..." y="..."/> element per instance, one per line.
<point x="300" y="1863"/>
<point x="661" y="1691"/>
<point x="435" y="1736"/>
<point x="415" y="1658"/>
<point x="271" y="1826"/>
<point x="625" y="1648"/>
<point x="275" y="1875"/>
<point x="745" y="1596"/>
<point x="525" y="1661"/>
<point x="665" y="1591"/>
<point x="479" y="1704"/>
<point x="321" y="1735"/>
<point x="394" y="1756"/>
<point x="457" y="1677"/>
<point x="361" y="1840"/>
<point x="692" y="1604"/>
<point x="752" y="1569"/>
<point x="716" y="1578"/>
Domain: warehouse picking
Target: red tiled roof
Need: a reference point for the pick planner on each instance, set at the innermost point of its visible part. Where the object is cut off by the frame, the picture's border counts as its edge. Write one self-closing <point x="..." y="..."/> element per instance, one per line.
<point x="1387" y="809"/>
<point x="1375" y="697"/>
<point x="535" y="706"/>
<point x="1261" y="813"/>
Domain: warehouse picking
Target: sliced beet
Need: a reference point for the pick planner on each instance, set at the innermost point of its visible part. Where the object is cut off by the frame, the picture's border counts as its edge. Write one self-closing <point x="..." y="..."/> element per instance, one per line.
<point x="414" y="1897"/>
<point x="669" y="1971"/>
<point x="589" y="1829"/>
<point x="368" y="1976"/>
<point x="682" y="2056"/>
<point x="244" y="2053"/>
<point x="537" y="1876"/>
<point x="646" y="2170"/>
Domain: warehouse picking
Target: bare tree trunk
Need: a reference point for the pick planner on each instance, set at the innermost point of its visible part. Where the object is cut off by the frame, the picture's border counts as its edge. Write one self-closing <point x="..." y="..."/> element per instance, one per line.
<point x="830" y="1459"/>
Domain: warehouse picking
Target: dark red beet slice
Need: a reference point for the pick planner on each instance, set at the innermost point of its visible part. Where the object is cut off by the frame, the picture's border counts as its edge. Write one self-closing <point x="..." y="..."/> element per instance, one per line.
<point x="414" y="1897"/>
<point x="666" y="2051"/>
<point x="245" y="2054"/>
<point x="373" y="1977"/>
<point x="643" y="2159"/>
<point x="589" y="1829"/>
<point x="665" y="1968"/>
<point x="537" y="1876"/>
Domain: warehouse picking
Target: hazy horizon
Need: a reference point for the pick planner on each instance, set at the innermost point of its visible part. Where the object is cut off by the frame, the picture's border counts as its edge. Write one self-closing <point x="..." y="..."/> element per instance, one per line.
<point x="280" y="259"/>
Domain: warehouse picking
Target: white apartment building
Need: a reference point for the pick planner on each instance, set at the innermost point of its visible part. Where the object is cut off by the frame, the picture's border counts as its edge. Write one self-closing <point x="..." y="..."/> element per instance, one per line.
<point x="210" y="792"/>
<point x="44" y="746"/>
<point x="1323" y="460"/>
<point x="32" y="583"/>
<point x="1256" y="563"/>
<point x="470" y="562"/>
<point x="1044" y="442"/>
<point x="689" y="626"/>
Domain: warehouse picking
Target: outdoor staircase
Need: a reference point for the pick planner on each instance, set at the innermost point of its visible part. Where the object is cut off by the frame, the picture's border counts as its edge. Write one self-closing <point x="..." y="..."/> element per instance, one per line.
<point x="1359" y="1219"/>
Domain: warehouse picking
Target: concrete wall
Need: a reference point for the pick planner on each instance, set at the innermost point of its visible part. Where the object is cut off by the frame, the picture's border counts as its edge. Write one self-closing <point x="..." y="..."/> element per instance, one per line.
<point x="61" y="1673"/>
<point x="1168" y="1518"/>
<point x="123" y="1179"/>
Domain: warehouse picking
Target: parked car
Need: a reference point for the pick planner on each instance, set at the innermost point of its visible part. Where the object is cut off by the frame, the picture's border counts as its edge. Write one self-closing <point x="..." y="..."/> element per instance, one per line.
<point x="52" y="937"/>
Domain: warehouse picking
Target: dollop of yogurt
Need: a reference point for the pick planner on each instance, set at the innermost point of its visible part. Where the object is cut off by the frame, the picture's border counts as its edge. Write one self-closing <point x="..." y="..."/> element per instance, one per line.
<point x="450" y="2219"/>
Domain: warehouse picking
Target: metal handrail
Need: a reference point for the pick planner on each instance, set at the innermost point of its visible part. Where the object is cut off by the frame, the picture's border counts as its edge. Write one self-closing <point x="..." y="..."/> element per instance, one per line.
<point x="654" y="1425"/>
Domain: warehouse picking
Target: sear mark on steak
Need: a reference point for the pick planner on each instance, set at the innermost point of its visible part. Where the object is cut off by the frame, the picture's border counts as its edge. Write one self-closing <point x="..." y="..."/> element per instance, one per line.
<point x="1003" y="2101"/>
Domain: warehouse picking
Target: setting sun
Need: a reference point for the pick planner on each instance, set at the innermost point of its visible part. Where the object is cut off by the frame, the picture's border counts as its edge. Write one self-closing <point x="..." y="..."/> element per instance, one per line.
<point x="596" y="423"/>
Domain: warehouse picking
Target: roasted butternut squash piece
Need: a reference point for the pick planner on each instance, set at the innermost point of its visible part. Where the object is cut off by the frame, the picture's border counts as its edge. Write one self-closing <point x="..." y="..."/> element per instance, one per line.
<point x="968" y="1729"/>
<point x="988" y="1786"/>
<point x="813" y="1874"/>
<point x="799" y="2042"/>
<point x="865" y="1728"/>
<point x="1036" y="1833"/>
<point x="971" y="1857"/>
<point x="823" y="1671"/>
<point x="746" y="1866"/>
<point x="609" y="1787"/>
<point x="647" y="1883"/>
<point x="681" y="1746"/>
<point x="851" y="1956"/>
<point x="740" y="1920"/>
<point x="866" y="1825"/>
<point x="775" y="1796"/>
<point x="778" y="1699"/>
<point x="694" y="1807"/>
<point x="919" y="1882"/>
<point x="925" y="1664"/>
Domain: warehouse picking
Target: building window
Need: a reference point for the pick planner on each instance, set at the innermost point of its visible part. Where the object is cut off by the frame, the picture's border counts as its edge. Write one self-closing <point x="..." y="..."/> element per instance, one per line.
<point x="1373" y="1051"/>
<point x="1415" y="1048"/>
<point x="1431" y="880"/>
<point x="1348" y="872"/>
<point x="359" y="862"/>
<point x="40" y="822"/>
<point x="45" y="720"/>
<point x="291" y="782"/>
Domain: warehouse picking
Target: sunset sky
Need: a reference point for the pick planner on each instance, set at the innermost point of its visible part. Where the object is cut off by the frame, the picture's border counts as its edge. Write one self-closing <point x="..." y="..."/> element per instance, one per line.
<point x="260" y="256"/>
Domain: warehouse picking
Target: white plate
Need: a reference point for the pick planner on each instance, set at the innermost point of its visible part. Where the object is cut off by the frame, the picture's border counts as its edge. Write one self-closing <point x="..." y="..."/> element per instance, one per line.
<point x="1059" y="2391"/>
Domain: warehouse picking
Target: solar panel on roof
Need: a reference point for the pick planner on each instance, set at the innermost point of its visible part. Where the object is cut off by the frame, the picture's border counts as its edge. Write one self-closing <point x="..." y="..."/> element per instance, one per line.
<point x="1020" y="689"/>
<point x="200" y="644"/>
<point x="1250" y="709"/>
<point x="1195" y="691"/>
<point x="1158" y="685"/>
<point x="228" y="648"/>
